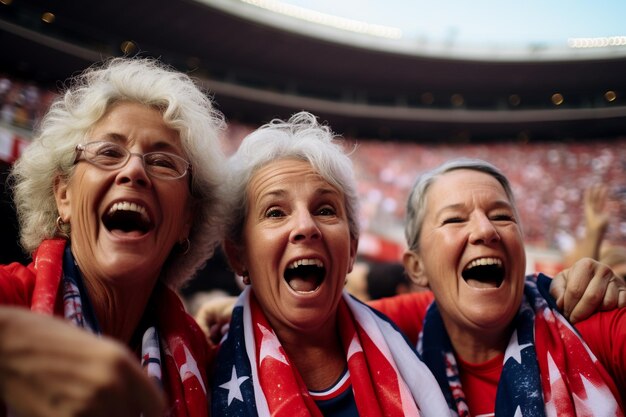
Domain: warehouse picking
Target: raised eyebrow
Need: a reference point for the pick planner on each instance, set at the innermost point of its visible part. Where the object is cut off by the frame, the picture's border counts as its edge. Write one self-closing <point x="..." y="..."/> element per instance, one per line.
<point x="271" y="194"/>
<point x="324" y="191"/>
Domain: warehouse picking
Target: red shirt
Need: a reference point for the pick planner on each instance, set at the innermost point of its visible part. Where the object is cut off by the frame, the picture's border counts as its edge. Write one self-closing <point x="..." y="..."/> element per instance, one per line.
<point x="604" y="332"/>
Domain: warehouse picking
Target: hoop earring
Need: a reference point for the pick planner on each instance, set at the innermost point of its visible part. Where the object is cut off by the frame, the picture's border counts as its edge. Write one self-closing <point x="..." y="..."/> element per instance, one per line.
<point x="245" y="278"/>
<point x="185" y="246"/>
<point x="62" y="228"/>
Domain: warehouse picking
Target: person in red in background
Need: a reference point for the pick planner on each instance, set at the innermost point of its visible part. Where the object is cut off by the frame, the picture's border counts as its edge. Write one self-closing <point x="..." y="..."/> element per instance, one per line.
<point x="493" y="340"/>
<point x="117" y="202"/>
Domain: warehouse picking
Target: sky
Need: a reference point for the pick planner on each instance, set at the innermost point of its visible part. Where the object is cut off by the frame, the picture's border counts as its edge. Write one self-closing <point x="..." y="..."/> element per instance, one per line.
<point x="482" y="22"/>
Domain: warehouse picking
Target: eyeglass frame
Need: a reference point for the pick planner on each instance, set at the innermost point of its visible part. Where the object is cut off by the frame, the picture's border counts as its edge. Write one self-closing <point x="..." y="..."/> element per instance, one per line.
<point x="80" y="148"/>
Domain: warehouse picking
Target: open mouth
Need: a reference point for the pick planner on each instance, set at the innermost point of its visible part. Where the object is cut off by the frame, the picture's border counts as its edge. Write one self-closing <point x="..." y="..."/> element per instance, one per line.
<point x="305" y="275"/>
<point x="127" y="218"/>
<point x="484" y="273"/>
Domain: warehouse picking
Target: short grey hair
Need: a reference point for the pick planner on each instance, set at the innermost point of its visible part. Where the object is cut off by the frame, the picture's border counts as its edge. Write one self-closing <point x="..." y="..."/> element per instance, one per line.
<point x="301" y="138"/>
<point x="185" y="108"/>
<point x="416" y="204"/>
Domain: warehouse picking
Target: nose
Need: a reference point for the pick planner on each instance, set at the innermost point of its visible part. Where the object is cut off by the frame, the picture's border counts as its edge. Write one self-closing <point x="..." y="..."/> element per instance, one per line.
<point x="304" y="227"/>
<point x="134" y="172"/>
<point x="483" y="230"/>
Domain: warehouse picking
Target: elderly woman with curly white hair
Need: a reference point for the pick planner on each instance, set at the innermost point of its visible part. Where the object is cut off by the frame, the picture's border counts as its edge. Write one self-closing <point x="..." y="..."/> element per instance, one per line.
<point x="117" y="203"/>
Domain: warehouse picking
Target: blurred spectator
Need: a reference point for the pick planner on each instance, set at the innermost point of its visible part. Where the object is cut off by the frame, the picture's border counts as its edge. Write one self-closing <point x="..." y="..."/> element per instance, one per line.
<point x="615" y="257"/>
<point x="215" y="279"/>
<point x="371" y="280"/>
<point x="596" y="221"/>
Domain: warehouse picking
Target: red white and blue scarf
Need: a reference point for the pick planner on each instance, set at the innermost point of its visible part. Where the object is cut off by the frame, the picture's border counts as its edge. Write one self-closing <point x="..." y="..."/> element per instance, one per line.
<point x="254" y="376"/>
<point x="548" y="369"/>
<point x="181" y="370"/>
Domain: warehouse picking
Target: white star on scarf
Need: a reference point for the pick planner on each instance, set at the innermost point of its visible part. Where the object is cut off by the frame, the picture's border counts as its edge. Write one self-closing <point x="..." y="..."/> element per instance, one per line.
<point x="233" y="387"/>
<point x="555" y="377"/>
<point x="599" y="399"/>
<point x="514" y="350"/>
<point x="190" y="369"/>
<point x="269" y="346"/>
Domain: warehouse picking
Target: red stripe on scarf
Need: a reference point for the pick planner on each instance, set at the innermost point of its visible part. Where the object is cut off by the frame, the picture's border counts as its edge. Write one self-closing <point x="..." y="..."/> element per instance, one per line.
<point x="284" y="389"/>
<point x="49" y="267"/>
<point x="374" y="379"/>
<point x="186" y="357"/>
<point x="564" y="387"/>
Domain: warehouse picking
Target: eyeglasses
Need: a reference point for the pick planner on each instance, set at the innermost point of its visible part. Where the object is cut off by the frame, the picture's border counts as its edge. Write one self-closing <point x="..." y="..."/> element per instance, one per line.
<point x="110" y="156"/>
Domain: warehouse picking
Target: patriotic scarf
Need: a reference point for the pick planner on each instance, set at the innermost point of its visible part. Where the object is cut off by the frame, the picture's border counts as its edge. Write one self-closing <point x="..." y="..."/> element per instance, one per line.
<point x="548" y="369"/>
<point x="183" y="371"/>
<point x="254" y="376"/>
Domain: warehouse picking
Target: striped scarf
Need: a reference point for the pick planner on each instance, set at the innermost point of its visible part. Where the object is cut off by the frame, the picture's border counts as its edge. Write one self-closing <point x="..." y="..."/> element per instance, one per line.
<point x="175" y="355"/>
<point x="254" y="376"/>
<point x="548" y="369"/>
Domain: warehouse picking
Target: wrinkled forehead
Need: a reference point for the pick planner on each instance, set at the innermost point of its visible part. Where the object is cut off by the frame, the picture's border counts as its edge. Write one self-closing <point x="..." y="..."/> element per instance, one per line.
<point x="462" y="183"/>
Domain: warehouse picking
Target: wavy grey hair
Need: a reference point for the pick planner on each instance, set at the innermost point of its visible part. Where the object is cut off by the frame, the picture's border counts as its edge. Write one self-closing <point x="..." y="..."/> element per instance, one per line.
<point x="301" y="138"/>
<point x="416" y="204"/>
<point x="185" y="108"/>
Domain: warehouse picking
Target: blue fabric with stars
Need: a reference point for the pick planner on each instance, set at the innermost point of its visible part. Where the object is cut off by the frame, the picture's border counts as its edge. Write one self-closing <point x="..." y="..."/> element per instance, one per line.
<point x="232" y="388"/>
<point x="520" y="384"/>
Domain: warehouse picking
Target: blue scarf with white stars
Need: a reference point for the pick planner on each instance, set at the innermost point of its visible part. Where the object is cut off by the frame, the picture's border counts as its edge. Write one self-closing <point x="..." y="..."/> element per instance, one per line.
<point x="547" y="370"/>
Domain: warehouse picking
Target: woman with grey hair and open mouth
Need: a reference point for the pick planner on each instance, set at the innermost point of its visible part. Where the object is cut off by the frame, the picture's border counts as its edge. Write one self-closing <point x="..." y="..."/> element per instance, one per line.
<point x="117" y="203"/>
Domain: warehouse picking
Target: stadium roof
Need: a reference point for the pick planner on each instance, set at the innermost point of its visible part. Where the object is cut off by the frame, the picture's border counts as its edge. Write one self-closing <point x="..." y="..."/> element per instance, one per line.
<point x="504" y="30"/>
<point x="260" y="68"/>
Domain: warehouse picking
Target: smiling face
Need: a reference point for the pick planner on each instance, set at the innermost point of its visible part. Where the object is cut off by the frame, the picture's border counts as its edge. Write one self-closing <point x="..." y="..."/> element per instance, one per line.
<point x="297" y="247"/>
<point x="124" y="223"/>
<point x="471" y="253"/>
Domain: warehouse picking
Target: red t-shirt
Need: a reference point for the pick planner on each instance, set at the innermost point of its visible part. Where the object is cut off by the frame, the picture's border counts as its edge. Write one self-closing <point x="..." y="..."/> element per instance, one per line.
<point x="604" y="333"/>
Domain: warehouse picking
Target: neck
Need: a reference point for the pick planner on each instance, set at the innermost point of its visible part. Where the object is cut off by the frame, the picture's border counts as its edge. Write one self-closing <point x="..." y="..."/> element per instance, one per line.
<point x="478" y="346"/>
<point x="318" y="356"/>
<point x="117" y="309"/>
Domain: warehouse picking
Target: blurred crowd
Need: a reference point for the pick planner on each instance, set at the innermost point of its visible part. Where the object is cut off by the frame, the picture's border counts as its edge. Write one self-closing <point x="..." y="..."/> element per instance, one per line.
<point x="549" y="178"/>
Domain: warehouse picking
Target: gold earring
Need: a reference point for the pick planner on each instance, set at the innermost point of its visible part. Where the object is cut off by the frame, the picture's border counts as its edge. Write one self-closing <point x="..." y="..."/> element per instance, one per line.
<point x="62" y="228"/>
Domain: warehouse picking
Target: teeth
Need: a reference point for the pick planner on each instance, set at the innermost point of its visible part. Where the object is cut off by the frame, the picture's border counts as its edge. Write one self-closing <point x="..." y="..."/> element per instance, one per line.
<point x="483" y="262"/>
<point x="301" y="262"/>
<point x="127" y="206"/>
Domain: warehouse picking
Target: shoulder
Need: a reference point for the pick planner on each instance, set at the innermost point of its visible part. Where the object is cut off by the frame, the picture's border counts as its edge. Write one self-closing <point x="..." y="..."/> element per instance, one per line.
<point x="415" y="302"/>
<point x="16" y="284"/>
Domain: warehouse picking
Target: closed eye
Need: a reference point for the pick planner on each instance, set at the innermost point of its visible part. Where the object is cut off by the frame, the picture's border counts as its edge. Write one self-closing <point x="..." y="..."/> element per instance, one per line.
<point x="452" y="220"/>
<point x="503" y="217"/>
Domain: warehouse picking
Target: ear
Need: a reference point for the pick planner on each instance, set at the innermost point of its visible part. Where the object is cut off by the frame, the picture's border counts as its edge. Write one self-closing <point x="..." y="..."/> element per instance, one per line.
<point x="233" y="254"/>
<point x="62" y="197"/>
<point x="354" y="244"/>
<point x="414" y="268"/>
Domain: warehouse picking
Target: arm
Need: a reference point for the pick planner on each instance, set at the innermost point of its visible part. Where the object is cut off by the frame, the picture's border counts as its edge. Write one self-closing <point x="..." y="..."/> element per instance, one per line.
<point x="48" y="367"/>
<point x="213" y="317"/>
<point x="407" y="311"/>
<point x="596" y="223"/>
